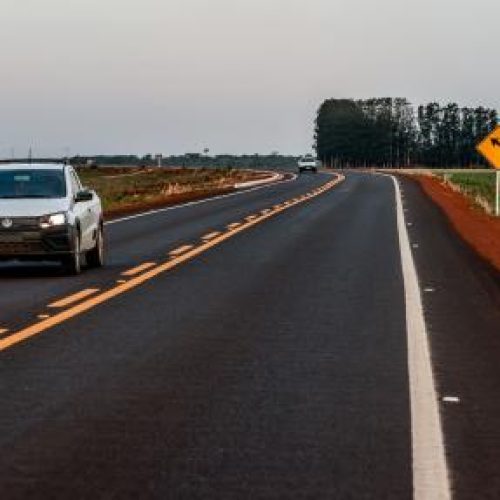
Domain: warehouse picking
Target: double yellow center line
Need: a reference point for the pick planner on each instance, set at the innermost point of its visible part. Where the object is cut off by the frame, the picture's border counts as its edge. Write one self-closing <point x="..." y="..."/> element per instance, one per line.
<point x="87" y="299"/>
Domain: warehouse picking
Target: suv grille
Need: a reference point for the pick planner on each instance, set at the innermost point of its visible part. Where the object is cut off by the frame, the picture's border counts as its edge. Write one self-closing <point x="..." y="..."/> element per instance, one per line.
<point x="20" y="223"/>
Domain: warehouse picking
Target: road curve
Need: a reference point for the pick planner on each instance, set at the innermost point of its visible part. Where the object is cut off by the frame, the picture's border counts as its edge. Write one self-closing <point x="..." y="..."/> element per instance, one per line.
<point x="272" y="365"/>
<point x="131" y="242"/>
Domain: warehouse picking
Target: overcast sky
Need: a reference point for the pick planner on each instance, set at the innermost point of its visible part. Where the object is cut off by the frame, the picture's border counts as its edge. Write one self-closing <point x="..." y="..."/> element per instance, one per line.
<point x="237" y="76"/>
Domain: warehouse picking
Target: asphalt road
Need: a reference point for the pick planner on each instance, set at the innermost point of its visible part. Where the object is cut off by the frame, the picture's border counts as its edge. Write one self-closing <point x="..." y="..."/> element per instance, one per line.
<point x="273" y="364"/>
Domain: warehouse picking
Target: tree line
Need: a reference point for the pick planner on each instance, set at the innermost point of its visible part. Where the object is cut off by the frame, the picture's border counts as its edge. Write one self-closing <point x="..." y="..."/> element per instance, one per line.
<point x="272" y="161"/>
<point x="257" y="161"/>
<point x="389" y="132"/>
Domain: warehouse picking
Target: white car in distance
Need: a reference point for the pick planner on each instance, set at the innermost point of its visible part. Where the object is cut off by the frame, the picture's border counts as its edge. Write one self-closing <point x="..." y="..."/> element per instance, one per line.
<point x="46" y="214"/>
<point x="308" y="163"/>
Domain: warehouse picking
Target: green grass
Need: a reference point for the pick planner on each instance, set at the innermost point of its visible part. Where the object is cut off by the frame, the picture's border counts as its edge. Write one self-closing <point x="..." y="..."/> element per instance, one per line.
<point x="476" y="185"/>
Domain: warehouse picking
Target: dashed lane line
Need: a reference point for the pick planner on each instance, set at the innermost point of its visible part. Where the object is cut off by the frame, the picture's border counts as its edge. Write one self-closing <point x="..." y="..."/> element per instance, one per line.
<point x="184" y="254"/>
<point x="71" y="299"/>
<point x="139" y="269"/>
<point x="210" y="236"/>
<point x="180" y="250"/>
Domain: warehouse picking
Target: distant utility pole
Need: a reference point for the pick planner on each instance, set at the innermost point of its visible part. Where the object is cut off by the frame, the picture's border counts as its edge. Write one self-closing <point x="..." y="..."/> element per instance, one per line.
<point x="30" y="155"/>
<point x="159" y="158"/>
<point x="66" y="152"/>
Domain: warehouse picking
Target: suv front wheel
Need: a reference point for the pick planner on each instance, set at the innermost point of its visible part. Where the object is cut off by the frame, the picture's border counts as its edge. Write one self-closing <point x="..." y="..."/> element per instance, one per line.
<point x="95" y="257"/>
<point x="72" y="263"/>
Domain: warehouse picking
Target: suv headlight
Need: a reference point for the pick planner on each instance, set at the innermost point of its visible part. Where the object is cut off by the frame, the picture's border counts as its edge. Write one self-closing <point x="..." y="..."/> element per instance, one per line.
<point x="53" y="220"/>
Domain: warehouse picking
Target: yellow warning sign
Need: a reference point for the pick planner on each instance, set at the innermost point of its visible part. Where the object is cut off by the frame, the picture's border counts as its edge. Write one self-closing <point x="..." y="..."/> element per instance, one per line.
<point x="490" y="148"/>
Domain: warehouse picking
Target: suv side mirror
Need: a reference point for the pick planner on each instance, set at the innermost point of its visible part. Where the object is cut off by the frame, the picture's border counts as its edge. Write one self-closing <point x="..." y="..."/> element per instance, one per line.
<point x="85" y="195"/>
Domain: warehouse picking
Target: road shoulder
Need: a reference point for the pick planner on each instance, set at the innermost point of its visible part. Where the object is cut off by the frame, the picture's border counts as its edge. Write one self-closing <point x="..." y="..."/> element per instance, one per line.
<point x="461" y="301"/>
<point x="478" y="229"/>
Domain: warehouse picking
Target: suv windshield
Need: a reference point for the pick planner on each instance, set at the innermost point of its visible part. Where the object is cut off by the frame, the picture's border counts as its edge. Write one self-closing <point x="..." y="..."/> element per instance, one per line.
<point x="32" y="184"/>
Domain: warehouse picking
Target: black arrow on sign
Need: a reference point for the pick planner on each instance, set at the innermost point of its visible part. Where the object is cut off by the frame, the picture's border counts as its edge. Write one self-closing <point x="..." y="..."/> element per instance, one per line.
<point x="495" y="142"/>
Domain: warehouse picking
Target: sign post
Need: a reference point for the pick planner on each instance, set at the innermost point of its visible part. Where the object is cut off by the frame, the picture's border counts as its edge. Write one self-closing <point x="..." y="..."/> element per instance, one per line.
<point x="489" y="147"/>
<point x="497" y="198"/>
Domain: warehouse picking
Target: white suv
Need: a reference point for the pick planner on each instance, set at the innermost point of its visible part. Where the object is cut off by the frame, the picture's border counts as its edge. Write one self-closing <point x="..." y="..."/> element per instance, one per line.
<point x="46" y="214"/>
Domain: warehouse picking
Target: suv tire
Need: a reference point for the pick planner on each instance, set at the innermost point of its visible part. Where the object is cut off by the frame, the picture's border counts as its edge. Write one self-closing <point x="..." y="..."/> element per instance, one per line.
<point x="72" y="263"/>
<point x="95" y="257"/>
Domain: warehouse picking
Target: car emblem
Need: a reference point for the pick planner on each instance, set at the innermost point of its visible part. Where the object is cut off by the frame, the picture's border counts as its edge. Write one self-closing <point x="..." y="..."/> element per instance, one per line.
<point x="6" y="223"/>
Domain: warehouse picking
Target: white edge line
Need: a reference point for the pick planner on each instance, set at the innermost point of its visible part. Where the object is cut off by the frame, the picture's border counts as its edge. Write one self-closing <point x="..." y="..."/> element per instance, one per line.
<point x="273" y="177"/>
<point x="198" y="202"/>
<point x="430" y="473"/>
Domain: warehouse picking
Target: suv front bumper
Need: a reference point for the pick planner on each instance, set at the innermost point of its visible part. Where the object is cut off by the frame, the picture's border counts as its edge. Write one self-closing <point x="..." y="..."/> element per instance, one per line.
<point x="36" y="243"/>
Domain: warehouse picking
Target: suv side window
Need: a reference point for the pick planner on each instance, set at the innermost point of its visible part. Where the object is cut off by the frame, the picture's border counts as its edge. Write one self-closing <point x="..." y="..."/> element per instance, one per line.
<point x="75" y="182"/>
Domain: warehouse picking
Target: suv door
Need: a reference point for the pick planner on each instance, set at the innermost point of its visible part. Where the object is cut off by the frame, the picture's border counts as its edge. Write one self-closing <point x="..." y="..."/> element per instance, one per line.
<point x="84" y="212"/>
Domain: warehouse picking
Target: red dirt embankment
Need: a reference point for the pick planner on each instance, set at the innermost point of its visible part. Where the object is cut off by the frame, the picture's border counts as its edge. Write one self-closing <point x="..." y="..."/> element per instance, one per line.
<point x="478" y="229"/>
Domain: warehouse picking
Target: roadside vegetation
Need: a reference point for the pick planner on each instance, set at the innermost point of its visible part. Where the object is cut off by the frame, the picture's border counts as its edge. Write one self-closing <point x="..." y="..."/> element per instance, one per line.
<point x="273" y="161"/>
<point x="458" y="198"/>
<point x="480" y="186"/>
<point x="391" y="132"/>
<point x="129" y="189"/>
<point x="477" y="185"/>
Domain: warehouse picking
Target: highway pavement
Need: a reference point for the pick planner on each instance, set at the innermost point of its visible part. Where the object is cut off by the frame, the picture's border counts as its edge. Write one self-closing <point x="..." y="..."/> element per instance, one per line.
<point x="255" y="346"/>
